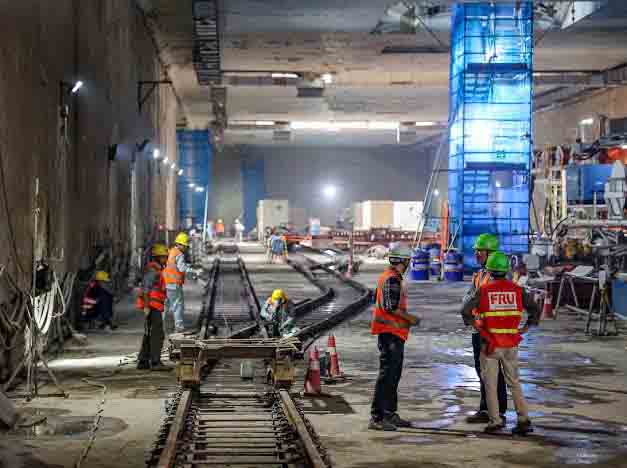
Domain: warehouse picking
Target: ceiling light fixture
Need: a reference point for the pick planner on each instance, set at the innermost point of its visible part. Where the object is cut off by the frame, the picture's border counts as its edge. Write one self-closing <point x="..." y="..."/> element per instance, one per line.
<point x="264" y="123"/>
<point x="425" y="124"/>
<point x="329" y="191"/>
<point x="335" y="126"/>
<point x="200" y="189"/>
<point x="166" y="161"/>
<point x="156" y="153"/>
<point x="285" y="75"/>
<point x="436" y="192"/>
<point x="78" y="85"/>
<point x="623" y="147"/>
<point x="192" y="185"/>
<point x="173" y="166"/>
<point x="180" y="172"/>
<point x="588" y="121"/>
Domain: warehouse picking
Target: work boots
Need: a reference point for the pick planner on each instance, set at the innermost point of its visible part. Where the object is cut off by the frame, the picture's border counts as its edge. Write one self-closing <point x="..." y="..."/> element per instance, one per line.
<point x="381" y="425"/>
<point x="398" y="421"/>
<point x="523" y="428"/>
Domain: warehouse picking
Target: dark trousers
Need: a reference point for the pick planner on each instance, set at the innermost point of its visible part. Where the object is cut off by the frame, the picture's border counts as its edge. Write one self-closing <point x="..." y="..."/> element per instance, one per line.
<point x="501" y="388"/>
<point x="385" y="402"/>
<point x="152" y="342"/>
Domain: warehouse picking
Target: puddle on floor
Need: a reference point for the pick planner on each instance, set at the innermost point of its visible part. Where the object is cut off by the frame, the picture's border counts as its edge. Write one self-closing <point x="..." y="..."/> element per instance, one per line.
<point x="39" y="423"/>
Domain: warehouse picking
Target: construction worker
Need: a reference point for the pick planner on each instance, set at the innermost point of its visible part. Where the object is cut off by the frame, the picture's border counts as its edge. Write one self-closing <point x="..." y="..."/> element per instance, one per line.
<point x="174" y="277"/>
<point x="239" y="231"/>
<point x="391" y="322"/>
<point x="484" y="245"/>
<point x="500" y="304"/>
<point x="151" y="301"/>
<point x="277" y="314"/>
<point x="98" y="301"/>
<point x="220" y="229"/>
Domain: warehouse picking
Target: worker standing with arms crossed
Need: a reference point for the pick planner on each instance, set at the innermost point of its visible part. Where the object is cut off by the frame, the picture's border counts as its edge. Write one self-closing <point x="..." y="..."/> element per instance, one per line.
<point x="391" y="323"/>
<point x="174" y="277"/>
<point x="484" y="246"/>
<point x="501" y="303"/>
<point x="151" y="301"/>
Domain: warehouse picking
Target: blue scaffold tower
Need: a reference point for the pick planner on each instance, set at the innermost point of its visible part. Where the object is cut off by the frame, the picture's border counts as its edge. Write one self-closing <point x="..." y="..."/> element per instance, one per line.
<point x="490" y="111"/>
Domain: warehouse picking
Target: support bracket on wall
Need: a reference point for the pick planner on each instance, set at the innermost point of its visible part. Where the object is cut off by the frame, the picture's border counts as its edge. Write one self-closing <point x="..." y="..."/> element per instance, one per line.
<point x="142" y="96"/>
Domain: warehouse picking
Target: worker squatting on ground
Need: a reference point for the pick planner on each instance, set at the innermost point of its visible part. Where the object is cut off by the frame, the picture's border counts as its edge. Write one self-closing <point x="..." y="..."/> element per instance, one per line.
<point x="174" y="277"/>
<point x="98" y="301"/>
<point x="391" y="323"/>
<point x="500" y="304"/>
<point x="151" y="301"/>
<point x="277" y="314"/>
<point x="485" y="244"/>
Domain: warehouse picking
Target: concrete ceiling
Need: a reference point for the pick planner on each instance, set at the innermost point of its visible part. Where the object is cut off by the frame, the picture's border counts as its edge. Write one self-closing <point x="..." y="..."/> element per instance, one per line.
<point x="334" y="36"/>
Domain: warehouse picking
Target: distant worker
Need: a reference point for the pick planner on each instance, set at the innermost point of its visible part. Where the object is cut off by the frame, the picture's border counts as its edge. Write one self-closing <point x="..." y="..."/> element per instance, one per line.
<point x="391" y="322"/>
<point x="277" y="247"/>
<point x="277" y="314"/>
<point x="174" y="277"/>
<point x="239" y="231"/>
<point x="210" y="232"/>
<point x="268" y="242"/>
<point x="220" y="229"/>
<point x="484" y="245"/>
<point x="501" y="303"/>
<point x="98" y="301"/>
<point x="151" y="301"/>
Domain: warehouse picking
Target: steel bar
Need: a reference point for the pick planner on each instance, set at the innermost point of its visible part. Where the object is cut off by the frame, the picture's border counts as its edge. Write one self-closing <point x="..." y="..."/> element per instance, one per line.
<point x="169" y="453"/>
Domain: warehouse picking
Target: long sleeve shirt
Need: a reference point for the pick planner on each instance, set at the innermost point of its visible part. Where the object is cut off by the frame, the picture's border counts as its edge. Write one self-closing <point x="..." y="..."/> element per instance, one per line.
<point x="472" y="302"/>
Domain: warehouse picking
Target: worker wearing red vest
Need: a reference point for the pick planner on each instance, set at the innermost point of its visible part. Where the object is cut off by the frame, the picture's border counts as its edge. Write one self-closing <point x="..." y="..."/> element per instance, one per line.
<point x="501" y="303"/>
<point x="174" y="277"/>
<point x="151" y="301"/>
<point x="484" y="245"/>
<point x="391" y="322"/>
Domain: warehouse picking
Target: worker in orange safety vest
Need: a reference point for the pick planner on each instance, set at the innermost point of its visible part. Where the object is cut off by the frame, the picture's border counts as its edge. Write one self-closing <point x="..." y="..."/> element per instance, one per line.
<point x="484" y="245"/>
<point x="151" y="301"/>
<point x="501" y="303"/>
<point x="391" y="323"/>
<point x="174" y="277"/>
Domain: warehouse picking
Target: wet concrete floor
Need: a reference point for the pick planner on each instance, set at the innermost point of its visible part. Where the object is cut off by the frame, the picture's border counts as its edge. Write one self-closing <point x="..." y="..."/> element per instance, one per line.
<point x="575" y="385"/>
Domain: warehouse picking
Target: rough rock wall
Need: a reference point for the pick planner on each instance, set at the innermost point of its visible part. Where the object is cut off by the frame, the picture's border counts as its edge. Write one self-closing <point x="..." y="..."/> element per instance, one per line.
<point x="84" y="178"/>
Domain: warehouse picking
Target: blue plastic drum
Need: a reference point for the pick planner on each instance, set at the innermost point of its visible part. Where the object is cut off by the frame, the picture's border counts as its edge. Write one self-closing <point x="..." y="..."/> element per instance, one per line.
<point x="434" y="255"/>
<point x="453" y="267"/>
<point x="419" y="266"/>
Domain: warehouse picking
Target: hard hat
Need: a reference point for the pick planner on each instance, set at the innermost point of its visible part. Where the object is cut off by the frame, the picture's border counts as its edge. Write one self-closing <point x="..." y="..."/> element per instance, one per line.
<point x="487" y="242"/>
<point x="159" y="250"/>
<point x="182" y="239"/>
<point x="399" y="253"/>
<point x="497" y="262"/>
<point x="102" y="276"/>
<point x="278" y="294"/>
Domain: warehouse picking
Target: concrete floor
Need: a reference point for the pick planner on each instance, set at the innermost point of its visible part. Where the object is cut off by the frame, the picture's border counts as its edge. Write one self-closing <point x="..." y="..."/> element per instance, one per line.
<point x="575" y="384"/>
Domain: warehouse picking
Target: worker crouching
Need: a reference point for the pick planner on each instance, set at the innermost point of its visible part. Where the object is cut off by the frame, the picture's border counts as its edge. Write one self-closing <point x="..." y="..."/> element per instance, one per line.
<point x="500" y="304"/>
<point x="391" y="323"/>
<point x="277" y="314"/>
<point x="151" y="301"/>
<point x="97" y="302"/>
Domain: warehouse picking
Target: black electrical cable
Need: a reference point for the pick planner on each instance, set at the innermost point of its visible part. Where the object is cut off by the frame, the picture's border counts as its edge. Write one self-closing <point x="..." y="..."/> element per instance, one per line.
<point x="8" y="215"/>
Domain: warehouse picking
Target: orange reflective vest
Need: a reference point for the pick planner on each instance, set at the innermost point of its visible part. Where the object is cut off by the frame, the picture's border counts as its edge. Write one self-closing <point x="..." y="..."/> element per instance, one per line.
<point x="156" y="293"/>
<point x="500" y="309"/>
<point x="171" y="274"/>
<point x="383" y="321"/>
<point x="480" y="278"/>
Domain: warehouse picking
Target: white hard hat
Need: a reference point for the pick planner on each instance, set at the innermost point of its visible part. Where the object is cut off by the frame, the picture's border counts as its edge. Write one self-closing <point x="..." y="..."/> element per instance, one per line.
<point x="399" y="252"/>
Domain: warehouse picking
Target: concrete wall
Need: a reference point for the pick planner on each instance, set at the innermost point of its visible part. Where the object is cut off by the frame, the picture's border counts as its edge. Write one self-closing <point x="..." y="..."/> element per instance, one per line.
<point x="84" y="197"/>
<point x="299" y="174"/>
<point x="559" y="125"/>
<point x="227" y="185"/>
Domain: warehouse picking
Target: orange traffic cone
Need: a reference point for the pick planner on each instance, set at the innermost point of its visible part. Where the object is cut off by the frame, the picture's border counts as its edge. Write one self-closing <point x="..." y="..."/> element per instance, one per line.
<point x="312" y="378"/>
<point x="334" y="368"/>
<point x="547" y="309"/>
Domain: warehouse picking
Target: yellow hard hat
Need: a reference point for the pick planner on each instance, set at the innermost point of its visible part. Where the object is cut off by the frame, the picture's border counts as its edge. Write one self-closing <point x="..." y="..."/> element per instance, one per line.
<point x="278" y="294"/>
<point x="159" y="250"/>
<point x="102" y="276"/>
<point x="182" y="239"/>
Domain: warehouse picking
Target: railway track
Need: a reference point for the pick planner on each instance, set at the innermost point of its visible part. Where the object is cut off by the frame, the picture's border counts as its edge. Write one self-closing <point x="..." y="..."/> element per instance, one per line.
<point x="253" y="423"/>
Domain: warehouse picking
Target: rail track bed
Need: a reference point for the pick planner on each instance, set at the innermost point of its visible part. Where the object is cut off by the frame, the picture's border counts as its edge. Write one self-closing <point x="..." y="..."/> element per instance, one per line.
<point x="226" y="419"/>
